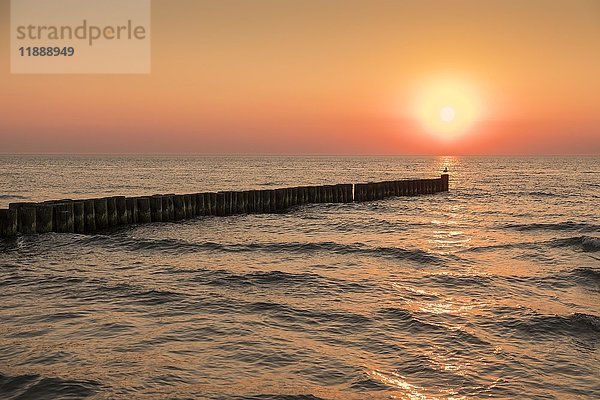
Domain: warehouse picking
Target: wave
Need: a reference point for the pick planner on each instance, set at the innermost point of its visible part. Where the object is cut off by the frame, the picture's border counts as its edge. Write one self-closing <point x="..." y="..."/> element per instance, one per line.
<point x="307" y="316"/>
<point x="408" y="321"/>
<point x="282" y="279"/>
<point x="278" y="397"/>
<point x="583" y="276"/>
<point x="179" y="246"/>
<point x="578" y="325"/>
<point x="591" y="244"/>
<point x="560" y="226"/>
<point x="38" y="387"/>
<point x="585" y="243"/>
<point x="11" y="196"/>
<point x="452" y="280"/>
<point x="588" y="274"/>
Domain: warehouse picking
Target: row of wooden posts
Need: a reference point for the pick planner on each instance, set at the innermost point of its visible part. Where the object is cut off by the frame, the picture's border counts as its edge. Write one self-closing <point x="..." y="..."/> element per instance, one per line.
<point x="92" y="215"/>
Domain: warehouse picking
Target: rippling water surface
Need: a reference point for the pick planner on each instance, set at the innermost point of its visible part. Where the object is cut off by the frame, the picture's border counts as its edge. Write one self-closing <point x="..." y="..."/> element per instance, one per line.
<point x="490" y="290"/>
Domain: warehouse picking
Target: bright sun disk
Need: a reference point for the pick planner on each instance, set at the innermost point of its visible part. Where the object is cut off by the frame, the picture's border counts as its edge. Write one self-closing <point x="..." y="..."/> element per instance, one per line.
<point x="447" y="114"/>
<point x="447" y="107"/>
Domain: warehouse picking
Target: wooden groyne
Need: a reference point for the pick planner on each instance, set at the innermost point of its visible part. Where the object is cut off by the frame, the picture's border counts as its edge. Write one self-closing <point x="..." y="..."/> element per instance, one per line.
<point x="93" y="215"/>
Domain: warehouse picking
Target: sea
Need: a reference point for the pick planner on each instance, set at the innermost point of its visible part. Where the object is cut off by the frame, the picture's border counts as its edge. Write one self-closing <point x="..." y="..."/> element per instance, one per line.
<point x="491" y="290"/>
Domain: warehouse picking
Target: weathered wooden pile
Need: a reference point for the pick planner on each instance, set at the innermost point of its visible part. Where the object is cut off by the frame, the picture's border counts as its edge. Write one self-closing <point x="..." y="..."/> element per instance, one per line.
<point x="93" y="215"/>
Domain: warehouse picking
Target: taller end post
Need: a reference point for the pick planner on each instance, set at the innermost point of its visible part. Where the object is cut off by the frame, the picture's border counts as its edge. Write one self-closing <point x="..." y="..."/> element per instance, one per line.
<point x="445" y="182"/>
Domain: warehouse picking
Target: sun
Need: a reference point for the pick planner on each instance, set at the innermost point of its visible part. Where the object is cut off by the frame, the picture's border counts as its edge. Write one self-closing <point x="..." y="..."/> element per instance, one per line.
<point x="447" y="114"/>
<point x="447" y="107"/>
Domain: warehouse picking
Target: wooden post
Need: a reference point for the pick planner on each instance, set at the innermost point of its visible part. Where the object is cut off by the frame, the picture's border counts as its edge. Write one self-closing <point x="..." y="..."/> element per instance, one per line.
<point x="63" y="218"/>
<point x="193" y="206"/>
<point x="287" y="198"/>
<point x="310" y="195"/>
<point x="132" y="210"/>
<point x="228" y="203"/>
<point x="272" y="201"/>
<point x="79" y="217"/>
<point x="121" y="210"/>
<point x="325" y="194"/>
<point x="231" y="202"/>
<point x="266" y="201"/>
<point x="170" y="207"/>
<point x="111" y="208"/>
<point x="44" y="215"/>
<point x="258" y="201"/>
<point x="254" y="197"/>
<point x="299" y="195"/>
<point x="334" y="194"/>
<point x="199" y="204"/>
<point x="213" y="203"/>
<point x="156" y="208"/>
<point x="249" y="194"/>
<point x="368" y="189"/>
<point x="318" y="194"/>
<point x="348" y="193"/>
<point x="239" y="202"/>
<point x="89" y="216"/>
<point x="26" y="217"/>
<point x="279" y="195"/>
<point x="445" y="182"/>
<point x="358" y="192"/>
<point x="8" y="223"/>
<point x="101" y="211"/>
<point x="244" y="202"/>
<point x="178" y="207"/>
<point x="220" y="204"/>
<point x="375" y="191"/>
<point x="303" y="195"/>
<point x="144" y="210"/>
<point x="321" y="197"/>
<point x="341" y="193"/>
<point x="188" y="205"/>
<point x="166" y="216"/>
<point x="207" y="204"/>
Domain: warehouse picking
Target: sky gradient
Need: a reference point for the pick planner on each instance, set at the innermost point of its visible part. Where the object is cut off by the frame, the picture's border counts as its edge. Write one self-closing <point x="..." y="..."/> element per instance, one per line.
<point x="325" y="77"/>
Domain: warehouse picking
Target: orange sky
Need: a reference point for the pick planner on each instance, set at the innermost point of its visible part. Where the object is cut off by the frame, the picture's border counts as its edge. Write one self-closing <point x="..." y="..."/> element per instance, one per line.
<point x="324" y="77"/>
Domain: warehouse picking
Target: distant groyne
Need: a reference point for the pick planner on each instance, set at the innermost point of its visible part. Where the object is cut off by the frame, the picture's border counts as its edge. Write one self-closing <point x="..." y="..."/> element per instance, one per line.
<point x="93" y="215"/>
